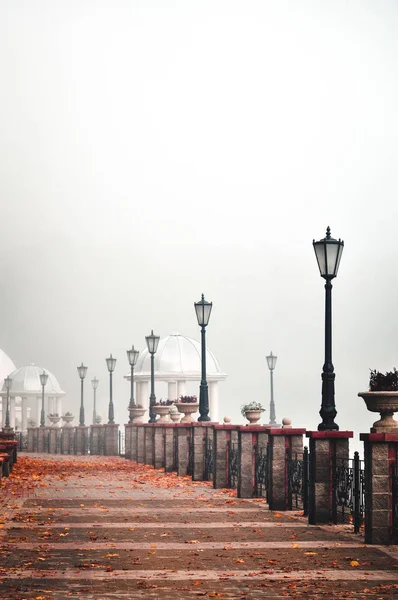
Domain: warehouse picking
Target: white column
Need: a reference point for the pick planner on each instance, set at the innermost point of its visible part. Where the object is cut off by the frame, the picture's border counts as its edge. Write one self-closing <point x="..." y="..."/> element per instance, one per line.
<point x="137" y="394"/>
<point x="213" y="400"/>
<point x="24" y="414"/>
<point x="4" y="410"/>
<point x="181" y="388"/>
<point x="145" y="394"/>
<point x="172" y="390"/>
<point x="59" y="406"/>
<point x="12" y="411"/>
<point x="38" y="410"/>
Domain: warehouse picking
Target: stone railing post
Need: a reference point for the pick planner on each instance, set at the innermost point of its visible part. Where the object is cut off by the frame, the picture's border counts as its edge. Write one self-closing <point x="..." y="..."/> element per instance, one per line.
<point x="141" y="443"/>
<point x="284" y="444"/>
<point x="55" y="440"/>
<point x="148" y="443"/>
<point x="249" y="437"/>
<point x="128" y="440"/>
<point x="158" y="445"/>
<point x="169" y="447"/>
<point x="32" y="439"/>
<point x="96" y="443"/>
<point x="327" y="449"/>
<point x="67" y="440"/>
<point x="111" y="439"/>
<point x="81" y="439"/>
<point x="380" y="452"/>
<point x="43" y="434"/>
<point x="223" y="436"/>
<point x="183" y="448"/>
<point x="133" y="442"/>
<point x="200" y="432"/>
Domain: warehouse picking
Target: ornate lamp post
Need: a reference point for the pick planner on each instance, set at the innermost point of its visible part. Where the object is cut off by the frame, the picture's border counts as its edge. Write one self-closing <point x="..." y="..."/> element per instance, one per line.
<point x="328" y="253"/>
<point x="94" y="383"/>
<point x="152" y="342"/>
<point x="132" y="356"/>
<point x="43" y="381"/>
<point x="82" y="370"/>
<point x="271" y="360"/>
<point x="111" y="364"/>
<point x="203" y="311"/>
<point x="7" y="383"/>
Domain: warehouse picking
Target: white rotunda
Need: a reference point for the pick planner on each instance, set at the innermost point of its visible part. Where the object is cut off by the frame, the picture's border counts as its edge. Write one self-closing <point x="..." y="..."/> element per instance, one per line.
<point x="177" y="361"/>
<point x="25" y="385"/>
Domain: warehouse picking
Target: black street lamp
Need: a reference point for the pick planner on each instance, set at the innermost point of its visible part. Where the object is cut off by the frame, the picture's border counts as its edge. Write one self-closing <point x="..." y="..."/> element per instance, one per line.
<point x="328" y="253"/>
<point x="203" y="311"/>
<point x="152" y="342"/>
<point x="271" y="360"/>
<point x="82" y="370"/>
<point x="94" y="383"/>
<point x="7" y="383"/>
<point x="111" y="364"/>
<point x="43" y="381"/>
<point x="132" y="356"/>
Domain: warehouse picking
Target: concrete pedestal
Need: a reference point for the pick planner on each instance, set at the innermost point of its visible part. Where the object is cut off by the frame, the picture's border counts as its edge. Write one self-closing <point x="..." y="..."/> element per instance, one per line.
<point x="32" y="439"/>
<point x="251" y="438"/>
<point x="97" y="440"/>
<point x="327" y="449"/>
<point x="81" y="439"/>
<point x="148" y="443"/>
<point x="158" y="446"/>
<point x="183" y="448"/>
<point x="127" y="440"/>
<point x="380" y="452"/>
<point x="43" y="439"/>
<point x="284" y="444"/>
<point x="111" y="439"/>
<point x="224" y="436"/>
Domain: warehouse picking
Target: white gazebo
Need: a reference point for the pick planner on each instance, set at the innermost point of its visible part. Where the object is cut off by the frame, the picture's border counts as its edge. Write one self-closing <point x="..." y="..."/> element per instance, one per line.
<point x="177" y="361"/>
<point x="25" y="384"/>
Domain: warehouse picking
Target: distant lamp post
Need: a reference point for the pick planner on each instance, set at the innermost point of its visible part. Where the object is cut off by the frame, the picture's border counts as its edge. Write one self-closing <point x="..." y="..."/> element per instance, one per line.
<point x="94" y="383"/>
<point x="328" y="253"/>
<point x="132" y="356"/>
<point x="7" y="383"/>
<point x="271" y="360"/>
<point x="111" y="364"/>
<point x="43" y="381"/>
<point x="82" y="370"/>
<point x="203" y="311"/>
<point x="152" y="342"/>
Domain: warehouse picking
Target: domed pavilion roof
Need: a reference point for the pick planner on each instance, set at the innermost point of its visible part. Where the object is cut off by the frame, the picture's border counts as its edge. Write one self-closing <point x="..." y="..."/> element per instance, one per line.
<point x="178" y="358"/>
<point x="26" y="382"/>
<point x="6" y="366"/>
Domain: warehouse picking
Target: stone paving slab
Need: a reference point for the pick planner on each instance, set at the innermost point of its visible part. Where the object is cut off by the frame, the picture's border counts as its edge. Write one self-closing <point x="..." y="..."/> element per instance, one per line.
<point x="205" y="543"/>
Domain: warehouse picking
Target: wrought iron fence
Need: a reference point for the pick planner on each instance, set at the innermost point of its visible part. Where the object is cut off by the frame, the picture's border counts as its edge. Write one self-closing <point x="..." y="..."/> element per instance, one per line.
<point x="349" y="491"/>
<point x="232" y="465"/>
<point x="121" y="444"/>
<point x="298" y="482"/>
<point x="261" y="470"/>
<point x="208" y="455"/>
<point x="22" y="438"/>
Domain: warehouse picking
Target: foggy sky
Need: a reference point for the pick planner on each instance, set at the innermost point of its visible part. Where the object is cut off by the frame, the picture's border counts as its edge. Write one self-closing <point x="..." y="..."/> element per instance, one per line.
<point x="151" y="151"/>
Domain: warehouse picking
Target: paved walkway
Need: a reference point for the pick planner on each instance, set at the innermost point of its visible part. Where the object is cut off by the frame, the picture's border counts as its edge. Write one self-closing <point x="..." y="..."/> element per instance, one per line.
<point x="99" y="528"/>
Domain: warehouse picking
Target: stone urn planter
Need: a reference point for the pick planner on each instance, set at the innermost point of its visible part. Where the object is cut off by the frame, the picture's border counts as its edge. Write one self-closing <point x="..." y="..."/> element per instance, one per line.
<point x="175" y="417"/>
<point x="68" y="420"/>
<point x="162" y="412"/>
<point x="54" y="420"/>
<point x="137" y="412"/>
<point x="187" y="409"/>
<point x="253" y="416"/>
<point x="385" y="403"/>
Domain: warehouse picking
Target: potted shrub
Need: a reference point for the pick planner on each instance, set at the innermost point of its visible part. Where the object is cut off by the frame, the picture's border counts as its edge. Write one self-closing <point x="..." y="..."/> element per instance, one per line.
<point x="68" y="418"/>
<point x="252" y="412"/>
<point x="137" y="412"/>
<point x="161" y="408"/>
<point x="187" y="405"/>
<point x="54" y="418"/>
<point x="382" y="397"/>
<point x="174" y="415"/>
<point x="98" y="420"/>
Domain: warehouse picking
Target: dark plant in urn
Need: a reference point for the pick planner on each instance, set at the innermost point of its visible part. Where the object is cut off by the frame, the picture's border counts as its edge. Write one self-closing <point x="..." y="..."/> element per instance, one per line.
<point x="382" y="397"/>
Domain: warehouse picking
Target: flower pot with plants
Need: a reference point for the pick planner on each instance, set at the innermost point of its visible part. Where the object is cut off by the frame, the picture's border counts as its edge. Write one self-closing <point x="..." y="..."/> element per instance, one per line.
<point x="54" y="419"/>
<point x="161" y="409"/>
<point x="187" y="405"/>
<point x="382" y="398"/>
<point x="98" y="420"/>
<point x="137" y="412"/>
<point x="252" y="412"/>
<point x="68" y="418"/>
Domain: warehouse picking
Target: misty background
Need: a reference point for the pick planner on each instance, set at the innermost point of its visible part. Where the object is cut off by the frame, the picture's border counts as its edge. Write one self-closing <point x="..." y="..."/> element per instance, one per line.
<point x="153" y="150"/>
